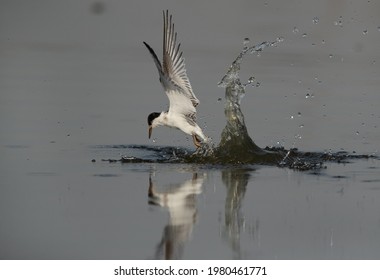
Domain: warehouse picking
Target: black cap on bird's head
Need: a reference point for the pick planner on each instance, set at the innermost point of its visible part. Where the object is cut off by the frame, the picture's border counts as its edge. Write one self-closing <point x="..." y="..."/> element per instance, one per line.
<point x="151" y="117"/>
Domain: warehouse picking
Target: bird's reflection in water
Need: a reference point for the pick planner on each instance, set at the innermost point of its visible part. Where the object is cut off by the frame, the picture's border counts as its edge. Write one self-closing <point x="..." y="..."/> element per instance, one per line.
<point x="180" y="201"/>
<point x="236" y="181"/>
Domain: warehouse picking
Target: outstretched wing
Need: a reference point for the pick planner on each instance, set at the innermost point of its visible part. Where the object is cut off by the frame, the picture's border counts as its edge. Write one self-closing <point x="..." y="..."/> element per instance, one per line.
<point x="172" y="71"/>
<point x="173" y="62"/>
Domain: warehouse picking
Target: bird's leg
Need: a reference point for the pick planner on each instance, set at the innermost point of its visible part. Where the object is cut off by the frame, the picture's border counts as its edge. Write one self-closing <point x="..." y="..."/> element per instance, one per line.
<point x="196" y="141"/>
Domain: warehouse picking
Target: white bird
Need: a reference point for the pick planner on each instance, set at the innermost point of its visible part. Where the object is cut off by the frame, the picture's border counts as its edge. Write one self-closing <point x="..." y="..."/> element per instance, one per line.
<point x="181" y="113"/>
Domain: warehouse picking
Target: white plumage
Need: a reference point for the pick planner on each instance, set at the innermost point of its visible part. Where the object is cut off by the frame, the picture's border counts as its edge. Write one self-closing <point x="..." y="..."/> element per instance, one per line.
<point x="176" y="84"/>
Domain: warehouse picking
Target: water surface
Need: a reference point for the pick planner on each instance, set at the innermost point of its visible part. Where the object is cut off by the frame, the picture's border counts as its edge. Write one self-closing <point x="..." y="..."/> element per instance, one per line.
<point x="76" y="90"/>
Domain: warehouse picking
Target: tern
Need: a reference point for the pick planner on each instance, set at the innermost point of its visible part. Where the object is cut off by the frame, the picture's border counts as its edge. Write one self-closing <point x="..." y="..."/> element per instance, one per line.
<point x="182" y="100"/>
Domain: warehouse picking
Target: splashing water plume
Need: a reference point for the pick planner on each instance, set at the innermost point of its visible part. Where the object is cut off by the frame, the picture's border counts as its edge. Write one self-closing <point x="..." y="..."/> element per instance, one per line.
<point x="236" y="146"/>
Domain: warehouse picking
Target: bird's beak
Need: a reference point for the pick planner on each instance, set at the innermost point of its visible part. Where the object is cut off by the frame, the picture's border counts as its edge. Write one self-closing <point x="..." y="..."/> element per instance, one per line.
<point x="150" y="131"/>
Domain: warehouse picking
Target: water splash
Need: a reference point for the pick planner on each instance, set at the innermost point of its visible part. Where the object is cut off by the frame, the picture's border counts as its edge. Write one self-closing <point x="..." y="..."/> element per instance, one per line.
<point x="236" y="146"/>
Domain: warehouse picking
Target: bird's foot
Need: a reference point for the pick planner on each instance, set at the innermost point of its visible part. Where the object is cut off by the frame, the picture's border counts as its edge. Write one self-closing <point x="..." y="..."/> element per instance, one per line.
<point x="204" y="148"/>
<point x="197" y="141"/>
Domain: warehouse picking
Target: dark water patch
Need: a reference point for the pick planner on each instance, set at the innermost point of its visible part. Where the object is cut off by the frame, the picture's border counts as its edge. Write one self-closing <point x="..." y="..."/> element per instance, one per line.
<point x="292" y="159"/>
<point x="146" y="153"/>
<point x="106" y="175"/>
<point x="16" y="146"/>
<point x="156" y="154"/>
<point x="98" y="8"/>
<point x="373" y="167"/>
<point x="345" y="157"/>
<point x="339" y="177"/>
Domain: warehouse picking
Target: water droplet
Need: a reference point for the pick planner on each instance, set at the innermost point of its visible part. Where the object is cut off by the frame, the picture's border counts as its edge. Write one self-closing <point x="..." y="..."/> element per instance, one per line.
<point x="295" y="30"/>
<point x="301" y="126"/>
<point x="251" y="80"/>
<point x="363" y="124"/>
<point x="246" y="41"/>
<point x="258" y="84"/>
<point x="219" y="99"/>
<point x="154" y="140"/>
<point x="315" y="20"/>
<point x="323" y="42"/>
<point x="307" y="95"/>
<point x="330" y="56"/>
<point x="280" y="39"/>
<point x="260" y="47"/>
<point x="378" y="28"/>
<point x="339" y="22"/>
<point x="304" y="35"/>
<point x="357" y="133"/>
<point x="291" y="117"/>
<point x="299" y="114"/>
<point x="365" y="32"/>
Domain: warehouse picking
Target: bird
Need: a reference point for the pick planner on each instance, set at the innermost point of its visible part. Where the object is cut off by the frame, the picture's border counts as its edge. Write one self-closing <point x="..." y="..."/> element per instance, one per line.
<point x="173" y="77"/>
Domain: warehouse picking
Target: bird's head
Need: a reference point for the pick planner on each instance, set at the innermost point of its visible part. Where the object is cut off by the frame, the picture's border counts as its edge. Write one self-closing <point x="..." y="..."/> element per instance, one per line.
<point x="152" y="122"/>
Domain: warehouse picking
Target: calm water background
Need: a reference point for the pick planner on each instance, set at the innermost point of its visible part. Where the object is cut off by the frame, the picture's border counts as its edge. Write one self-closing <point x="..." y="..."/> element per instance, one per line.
<point x="76" y="84"/>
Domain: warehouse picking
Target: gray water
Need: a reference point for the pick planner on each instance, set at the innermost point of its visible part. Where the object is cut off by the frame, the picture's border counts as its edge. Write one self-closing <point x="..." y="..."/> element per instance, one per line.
<point x="76" y="85"/>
